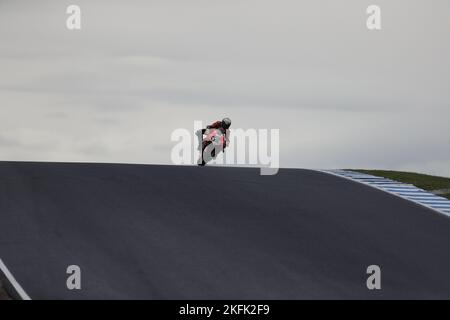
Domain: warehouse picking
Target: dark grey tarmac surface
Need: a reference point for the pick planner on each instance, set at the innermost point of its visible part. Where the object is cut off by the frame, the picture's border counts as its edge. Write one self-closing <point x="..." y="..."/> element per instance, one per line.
<point x="172" y="232"/>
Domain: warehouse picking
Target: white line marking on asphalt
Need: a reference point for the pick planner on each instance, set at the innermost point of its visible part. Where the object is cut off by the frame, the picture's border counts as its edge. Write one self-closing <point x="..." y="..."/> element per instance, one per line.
<point x="23" y="295"/>
<point x="420" y="197"/>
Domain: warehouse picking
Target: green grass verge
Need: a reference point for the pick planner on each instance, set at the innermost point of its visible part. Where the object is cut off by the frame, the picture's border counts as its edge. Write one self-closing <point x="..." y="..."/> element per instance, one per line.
<point x="423" y="181"/>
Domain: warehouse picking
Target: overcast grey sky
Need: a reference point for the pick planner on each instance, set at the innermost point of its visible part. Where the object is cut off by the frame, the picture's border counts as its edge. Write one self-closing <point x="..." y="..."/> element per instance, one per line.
<point x="341" y="95"/>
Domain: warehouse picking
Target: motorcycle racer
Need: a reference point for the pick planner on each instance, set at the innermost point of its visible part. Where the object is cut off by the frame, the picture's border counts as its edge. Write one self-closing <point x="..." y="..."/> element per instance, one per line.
<point x="223" y="128"/>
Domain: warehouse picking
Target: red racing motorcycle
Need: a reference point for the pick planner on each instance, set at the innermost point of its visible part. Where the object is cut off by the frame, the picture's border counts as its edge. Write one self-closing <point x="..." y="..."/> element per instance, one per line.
<point x="213" y="141"/>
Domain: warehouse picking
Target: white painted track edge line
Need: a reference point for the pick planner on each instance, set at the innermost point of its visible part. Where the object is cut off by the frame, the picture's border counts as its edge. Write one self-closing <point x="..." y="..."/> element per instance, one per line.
<point x="441" y="212"/>
<point x="13" y="282"/>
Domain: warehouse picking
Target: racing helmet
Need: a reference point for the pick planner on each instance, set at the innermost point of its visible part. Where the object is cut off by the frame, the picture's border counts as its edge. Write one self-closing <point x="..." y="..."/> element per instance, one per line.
<point x="226" y="123"/>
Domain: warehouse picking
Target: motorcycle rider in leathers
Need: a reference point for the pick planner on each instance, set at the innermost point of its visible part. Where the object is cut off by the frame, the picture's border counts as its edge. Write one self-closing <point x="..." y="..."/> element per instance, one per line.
<point x="223" y="126"/>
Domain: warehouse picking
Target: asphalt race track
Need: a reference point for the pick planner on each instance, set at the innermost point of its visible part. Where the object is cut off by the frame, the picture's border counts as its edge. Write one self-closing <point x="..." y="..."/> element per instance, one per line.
<point x="172" y="232"/>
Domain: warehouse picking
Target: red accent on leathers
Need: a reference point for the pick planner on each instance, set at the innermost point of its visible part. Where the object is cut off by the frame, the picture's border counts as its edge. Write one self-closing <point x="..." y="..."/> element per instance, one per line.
<point x="218" y="125"/>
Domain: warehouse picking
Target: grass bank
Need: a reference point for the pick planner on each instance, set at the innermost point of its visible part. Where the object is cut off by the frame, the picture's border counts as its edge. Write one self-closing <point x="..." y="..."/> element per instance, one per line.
<point x="435" y="184"/>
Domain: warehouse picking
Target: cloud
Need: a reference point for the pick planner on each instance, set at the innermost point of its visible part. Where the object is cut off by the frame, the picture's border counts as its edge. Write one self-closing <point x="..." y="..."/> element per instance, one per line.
<point x="342" y="96"/>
